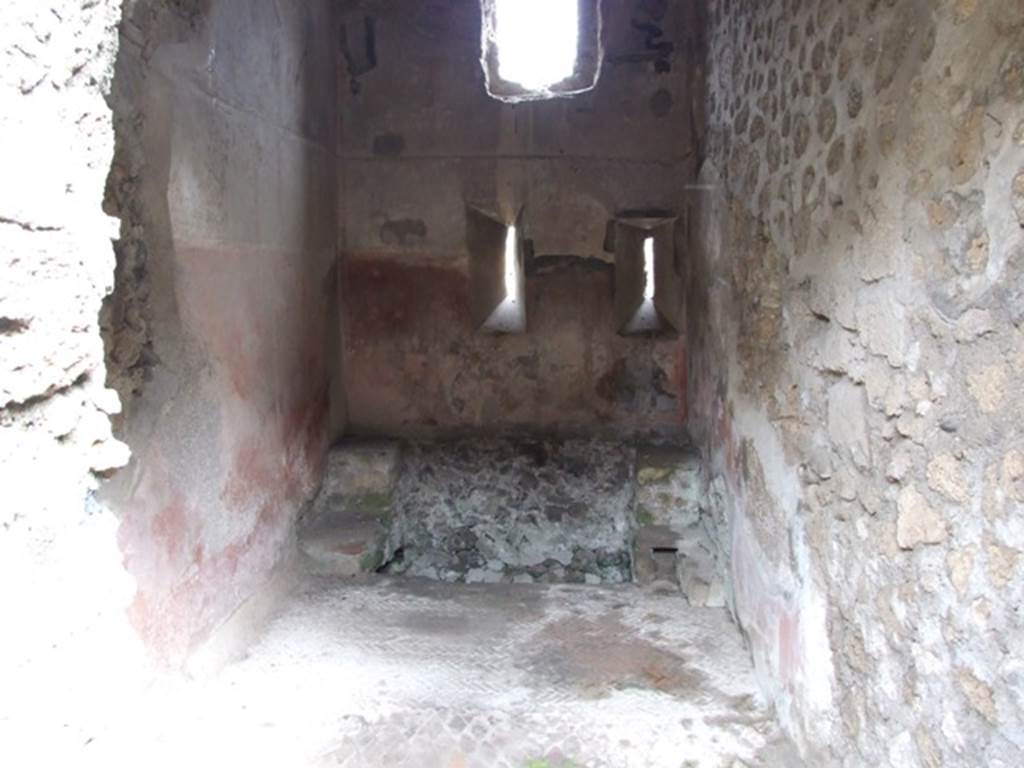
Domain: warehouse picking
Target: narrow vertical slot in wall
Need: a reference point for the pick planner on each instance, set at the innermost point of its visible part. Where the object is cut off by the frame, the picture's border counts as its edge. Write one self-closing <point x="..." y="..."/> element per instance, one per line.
<point x="497" y="279"/>
<point x="510" y="315"/>
<point x="649" y="286"/>
<point x="511" y="272"/>
<point x="646" y="280"/>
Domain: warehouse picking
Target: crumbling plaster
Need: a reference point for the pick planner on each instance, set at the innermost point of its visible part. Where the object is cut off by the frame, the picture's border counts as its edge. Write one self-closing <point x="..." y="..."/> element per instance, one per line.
<point x="855" y="312"/>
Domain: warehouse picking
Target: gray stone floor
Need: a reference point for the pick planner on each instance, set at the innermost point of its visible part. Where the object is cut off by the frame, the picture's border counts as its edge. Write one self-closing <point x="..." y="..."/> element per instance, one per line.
<point x="398" y="672"/>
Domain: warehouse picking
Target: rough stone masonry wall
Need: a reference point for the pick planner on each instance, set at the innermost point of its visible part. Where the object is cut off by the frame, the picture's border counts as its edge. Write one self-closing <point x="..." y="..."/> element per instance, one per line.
<point x="217" y="330"/>
<point x="64" y="587"/>
<point x="421" y="139"/>
<point x="857" y="295"/>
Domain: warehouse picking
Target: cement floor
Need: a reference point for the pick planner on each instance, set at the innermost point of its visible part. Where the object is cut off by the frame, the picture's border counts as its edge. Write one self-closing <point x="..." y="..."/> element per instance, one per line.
<point x="402" y="673"/>
<point x="422" y="674"/>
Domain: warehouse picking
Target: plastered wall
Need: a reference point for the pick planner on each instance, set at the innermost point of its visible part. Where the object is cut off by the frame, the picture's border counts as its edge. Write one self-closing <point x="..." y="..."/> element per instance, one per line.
<point x="421" y="139"/>
<point x="856" y="353"/>
<point x="416" y="365"/>
<point x="217" y="333"/>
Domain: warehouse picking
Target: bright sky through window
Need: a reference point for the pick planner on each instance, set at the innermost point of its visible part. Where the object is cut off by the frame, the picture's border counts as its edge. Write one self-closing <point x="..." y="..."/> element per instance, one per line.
<point x="538" y="41"/>
<point x="649" y="269"/>
<point x="511" y="268"/>
<point x="510" y="315"/>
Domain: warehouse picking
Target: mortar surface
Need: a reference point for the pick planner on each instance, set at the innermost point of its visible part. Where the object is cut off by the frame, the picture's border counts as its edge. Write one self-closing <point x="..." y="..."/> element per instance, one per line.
<point x="403" y="672"/>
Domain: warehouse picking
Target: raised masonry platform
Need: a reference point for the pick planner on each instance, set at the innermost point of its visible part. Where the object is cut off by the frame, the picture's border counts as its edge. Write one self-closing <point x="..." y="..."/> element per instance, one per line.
<point x="518" y="511"/>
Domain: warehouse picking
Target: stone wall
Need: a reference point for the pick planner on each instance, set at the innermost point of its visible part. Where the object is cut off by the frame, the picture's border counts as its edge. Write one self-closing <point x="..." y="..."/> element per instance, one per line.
<point x="217" y="332"/>
<point x="421" y="140"/>
<point x="855" y="308"/>
<point x="64" y="588"/>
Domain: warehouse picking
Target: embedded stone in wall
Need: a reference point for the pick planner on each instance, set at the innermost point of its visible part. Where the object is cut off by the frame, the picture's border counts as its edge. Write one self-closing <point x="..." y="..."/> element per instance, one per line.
<point x="979" y="694"/>
<point x="917" y="522"/>
<point x="847" y="422"/>
<point x="1003" y="564"/>
<point x="960" y="563"/>
<point x="946" y="476"/>
<point x="988" y="386"/>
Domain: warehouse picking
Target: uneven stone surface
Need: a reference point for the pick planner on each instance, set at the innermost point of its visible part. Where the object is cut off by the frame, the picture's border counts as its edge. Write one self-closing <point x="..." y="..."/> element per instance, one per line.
<point x="350" y="528"/>
<point x="56" y="261"/>
<point x="65" y="588"/>
<point x="670" y="486"/>
<point x="417" y="674"/>
<point x="364" y="468"/>
<point x="856" y="358"/>
<point x="674" y="536"/>
<point x="917" y="523"/>
<point x="516" y="510"/>
<point x="349" y="539"/>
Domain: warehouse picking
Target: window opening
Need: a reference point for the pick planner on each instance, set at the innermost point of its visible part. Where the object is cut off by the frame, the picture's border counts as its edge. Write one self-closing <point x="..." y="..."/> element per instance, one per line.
<point x="496" y="274"/>
<point x="540" y="49"/>
<point x="649" y="269"/>
<point x="646" y="319"/>
<point x="648" y="290"/>
<point x="511" y="267"/>
<point x="510" y="314"/>
<point x="537" y="40"/>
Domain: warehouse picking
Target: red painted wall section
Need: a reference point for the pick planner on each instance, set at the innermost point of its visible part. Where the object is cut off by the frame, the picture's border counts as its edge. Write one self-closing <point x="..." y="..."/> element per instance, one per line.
<point x="212" y="515"/>
<point x="234" y="199"/>
<point x="415" y="364"/>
